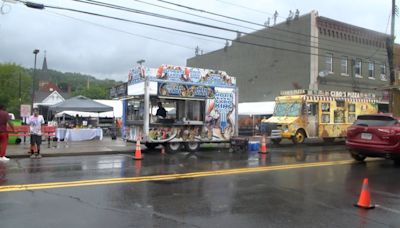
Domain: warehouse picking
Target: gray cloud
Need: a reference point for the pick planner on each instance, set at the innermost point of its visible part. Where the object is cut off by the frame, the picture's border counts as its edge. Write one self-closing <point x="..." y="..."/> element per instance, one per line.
<point x="107" y="48"/>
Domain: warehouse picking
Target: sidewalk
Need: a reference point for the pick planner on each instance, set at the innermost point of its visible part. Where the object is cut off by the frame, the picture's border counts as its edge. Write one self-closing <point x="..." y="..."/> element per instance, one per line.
<point x="93" y="147"/>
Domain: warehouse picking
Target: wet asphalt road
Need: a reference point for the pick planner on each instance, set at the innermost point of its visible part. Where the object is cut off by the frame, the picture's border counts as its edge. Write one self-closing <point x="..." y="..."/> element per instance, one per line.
<point x="318" y="196"/>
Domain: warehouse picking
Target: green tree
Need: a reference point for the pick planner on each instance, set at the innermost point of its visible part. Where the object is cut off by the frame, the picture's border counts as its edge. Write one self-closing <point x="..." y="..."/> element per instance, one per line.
<point x="94" y="92"/>
<point x="15" y="87"/>
<point x="13" y="77"/>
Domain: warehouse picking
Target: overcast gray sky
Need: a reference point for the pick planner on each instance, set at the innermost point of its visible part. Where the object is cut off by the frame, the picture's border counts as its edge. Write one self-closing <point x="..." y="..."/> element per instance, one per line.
<point x="106" y="48"/>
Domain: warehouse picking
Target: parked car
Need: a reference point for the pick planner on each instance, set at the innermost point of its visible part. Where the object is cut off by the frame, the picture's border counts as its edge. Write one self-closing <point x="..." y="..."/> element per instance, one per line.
<point x="375" y="135"/>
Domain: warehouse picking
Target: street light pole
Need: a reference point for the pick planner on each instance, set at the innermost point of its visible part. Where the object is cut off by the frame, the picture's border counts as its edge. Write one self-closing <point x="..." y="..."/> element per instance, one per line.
<point x="36" y="51"/>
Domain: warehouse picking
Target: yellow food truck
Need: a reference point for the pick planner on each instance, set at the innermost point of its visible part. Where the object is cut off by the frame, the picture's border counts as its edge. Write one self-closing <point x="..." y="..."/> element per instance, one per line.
<point x="301" y="114"/>
<point x="179" y="107"/>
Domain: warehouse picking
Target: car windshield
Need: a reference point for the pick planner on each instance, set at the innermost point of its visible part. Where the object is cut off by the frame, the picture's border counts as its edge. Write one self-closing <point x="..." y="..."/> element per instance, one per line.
<point x="287" y="109"/>
<point x="372" y="120"/>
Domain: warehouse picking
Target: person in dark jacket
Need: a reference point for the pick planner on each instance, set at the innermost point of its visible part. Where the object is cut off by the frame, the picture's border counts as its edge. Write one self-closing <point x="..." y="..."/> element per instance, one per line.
<point x="161" y="110"/>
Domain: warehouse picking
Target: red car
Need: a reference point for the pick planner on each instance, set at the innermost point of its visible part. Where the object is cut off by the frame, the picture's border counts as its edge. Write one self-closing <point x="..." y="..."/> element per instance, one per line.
<point x="375" y="135"/>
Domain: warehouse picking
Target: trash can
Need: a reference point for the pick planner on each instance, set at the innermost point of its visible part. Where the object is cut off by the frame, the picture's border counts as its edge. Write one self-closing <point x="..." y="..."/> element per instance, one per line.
<point x="113" y="132"/>
<point x="254" y="146"/>
<point x="15" y="139"/>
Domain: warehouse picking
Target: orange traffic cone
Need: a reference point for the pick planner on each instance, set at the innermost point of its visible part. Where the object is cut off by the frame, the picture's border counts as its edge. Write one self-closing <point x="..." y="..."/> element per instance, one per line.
<point x="263" y="146"/>
<point x="365" y="198"/>
<point x="162" y="149"/>
<point x="138" y="167"/>
<point x="138" y="151"/>
<point x="263" y="158"/>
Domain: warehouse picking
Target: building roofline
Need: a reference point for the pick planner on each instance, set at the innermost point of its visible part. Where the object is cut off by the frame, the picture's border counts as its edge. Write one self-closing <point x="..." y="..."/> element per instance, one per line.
<point x="335" y="24"/>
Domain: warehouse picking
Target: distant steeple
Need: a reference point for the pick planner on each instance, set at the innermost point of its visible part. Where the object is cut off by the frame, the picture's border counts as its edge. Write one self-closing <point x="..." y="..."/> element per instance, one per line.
<point x="44" y="67"/>
<point x="43" y="75"/>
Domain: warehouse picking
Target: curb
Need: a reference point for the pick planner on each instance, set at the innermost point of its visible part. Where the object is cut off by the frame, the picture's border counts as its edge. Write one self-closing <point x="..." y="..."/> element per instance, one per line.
<point x="64" y="154"/>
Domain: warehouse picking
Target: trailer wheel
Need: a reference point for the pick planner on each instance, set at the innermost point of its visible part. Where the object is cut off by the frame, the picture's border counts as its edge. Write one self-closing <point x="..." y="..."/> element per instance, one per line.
<point x="276" y="141"/>
<point x="173" y="147"/>
<point x="192" y="146"/>
<point x="151" y="146"/>
<point x="299" y="137"/>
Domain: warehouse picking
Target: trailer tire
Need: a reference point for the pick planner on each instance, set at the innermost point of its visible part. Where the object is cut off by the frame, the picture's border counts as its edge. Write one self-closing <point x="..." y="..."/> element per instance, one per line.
<point x="276" y="141"/>
<point x="192" y="146"/>
<point x="151" y="146"/>
<point x="173" y="147"/>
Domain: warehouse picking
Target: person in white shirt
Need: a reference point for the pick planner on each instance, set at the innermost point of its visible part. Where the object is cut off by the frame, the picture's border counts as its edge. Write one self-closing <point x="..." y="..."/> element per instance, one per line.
<point x="35" y="122"/>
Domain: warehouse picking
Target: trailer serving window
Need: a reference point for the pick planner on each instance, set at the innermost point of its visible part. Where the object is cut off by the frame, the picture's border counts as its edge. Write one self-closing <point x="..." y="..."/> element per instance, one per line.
<point x="135" y="110"/>
<point x="191" y="110"/>
<point x="181" y="110"/>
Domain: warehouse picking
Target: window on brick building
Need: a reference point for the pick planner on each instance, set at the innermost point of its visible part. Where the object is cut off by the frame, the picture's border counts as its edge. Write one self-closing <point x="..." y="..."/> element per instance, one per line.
<point x="343" y="66"/>
<point x="357" y="68"/>
<point x="329" y="62"/>
<point x="383" y="72"/>
<point x="371" y="70"/>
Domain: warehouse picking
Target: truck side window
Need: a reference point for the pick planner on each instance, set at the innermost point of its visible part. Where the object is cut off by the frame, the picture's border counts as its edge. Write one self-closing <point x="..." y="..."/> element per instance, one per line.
<point x="312" y="109"/>
<point x="352" y="113"/>
<point x="326" y="116"/>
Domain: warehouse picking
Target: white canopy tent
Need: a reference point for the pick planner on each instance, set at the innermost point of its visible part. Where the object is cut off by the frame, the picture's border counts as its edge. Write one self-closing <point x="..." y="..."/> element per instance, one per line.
<point x="256" y="108"/>
<point x="116" y="104"/>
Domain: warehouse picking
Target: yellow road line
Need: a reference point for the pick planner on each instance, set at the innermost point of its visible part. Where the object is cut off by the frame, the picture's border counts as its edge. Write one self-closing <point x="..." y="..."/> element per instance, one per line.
<point x="25" y="187"/>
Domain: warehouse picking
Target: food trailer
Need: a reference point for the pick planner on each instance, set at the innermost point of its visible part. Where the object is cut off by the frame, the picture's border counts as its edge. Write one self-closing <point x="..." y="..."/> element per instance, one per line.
<point x="201" y="107"/>
<point x="301" y="114"/>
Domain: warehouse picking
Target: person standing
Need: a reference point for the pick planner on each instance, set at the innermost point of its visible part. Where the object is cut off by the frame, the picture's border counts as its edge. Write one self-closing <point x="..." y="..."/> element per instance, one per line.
<point x="4" y="121"/>
<point x="161" y="110"/>
<point x="35" y="122"/>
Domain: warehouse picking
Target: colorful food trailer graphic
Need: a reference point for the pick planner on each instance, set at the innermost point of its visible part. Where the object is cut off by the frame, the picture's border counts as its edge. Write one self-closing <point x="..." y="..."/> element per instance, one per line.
<point x="301" y="114"/>
<point x="200" y="106"/>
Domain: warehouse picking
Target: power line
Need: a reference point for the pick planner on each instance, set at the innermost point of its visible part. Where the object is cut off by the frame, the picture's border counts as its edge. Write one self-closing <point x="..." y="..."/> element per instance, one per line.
<point x="93" y="2"/>
<point x="173" y="29"/>
<point x="123" y="31"/>
<point x="202" y="24"/>
<point x="163" y="7"/>
<point x="245" y="7"/>
<point x="387" y="27"/>
<point x="192" y="14"/>
<point x="308" y="36"/>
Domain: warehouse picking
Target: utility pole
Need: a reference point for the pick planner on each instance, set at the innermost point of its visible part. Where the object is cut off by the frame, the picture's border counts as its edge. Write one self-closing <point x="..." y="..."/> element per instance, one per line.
<point x="19" y="89"/>
<point x="35" y="52"/>
<point x="394" y="93"/>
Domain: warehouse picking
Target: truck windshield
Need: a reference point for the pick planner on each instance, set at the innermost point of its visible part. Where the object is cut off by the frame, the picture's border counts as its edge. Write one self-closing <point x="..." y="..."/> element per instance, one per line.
<point x="287" y="109"/>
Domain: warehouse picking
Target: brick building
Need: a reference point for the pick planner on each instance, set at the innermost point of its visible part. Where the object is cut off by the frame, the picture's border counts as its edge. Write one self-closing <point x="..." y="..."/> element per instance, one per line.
<point x="308" y="52"/>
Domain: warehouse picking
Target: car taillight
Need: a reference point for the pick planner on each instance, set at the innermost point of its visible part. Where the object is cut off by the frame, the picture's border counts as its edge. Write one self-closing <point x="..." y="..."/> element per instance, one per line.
<point x="387" y="131"/>
<point x="350" y="130"/>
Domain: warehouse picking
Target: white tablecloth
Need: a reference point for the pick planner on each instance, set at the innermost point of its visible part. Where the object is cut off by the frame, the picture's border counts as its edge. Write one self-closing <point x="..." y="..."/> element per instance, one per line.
<point x="81" y="134"/>
<point x="60" y="133"/>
